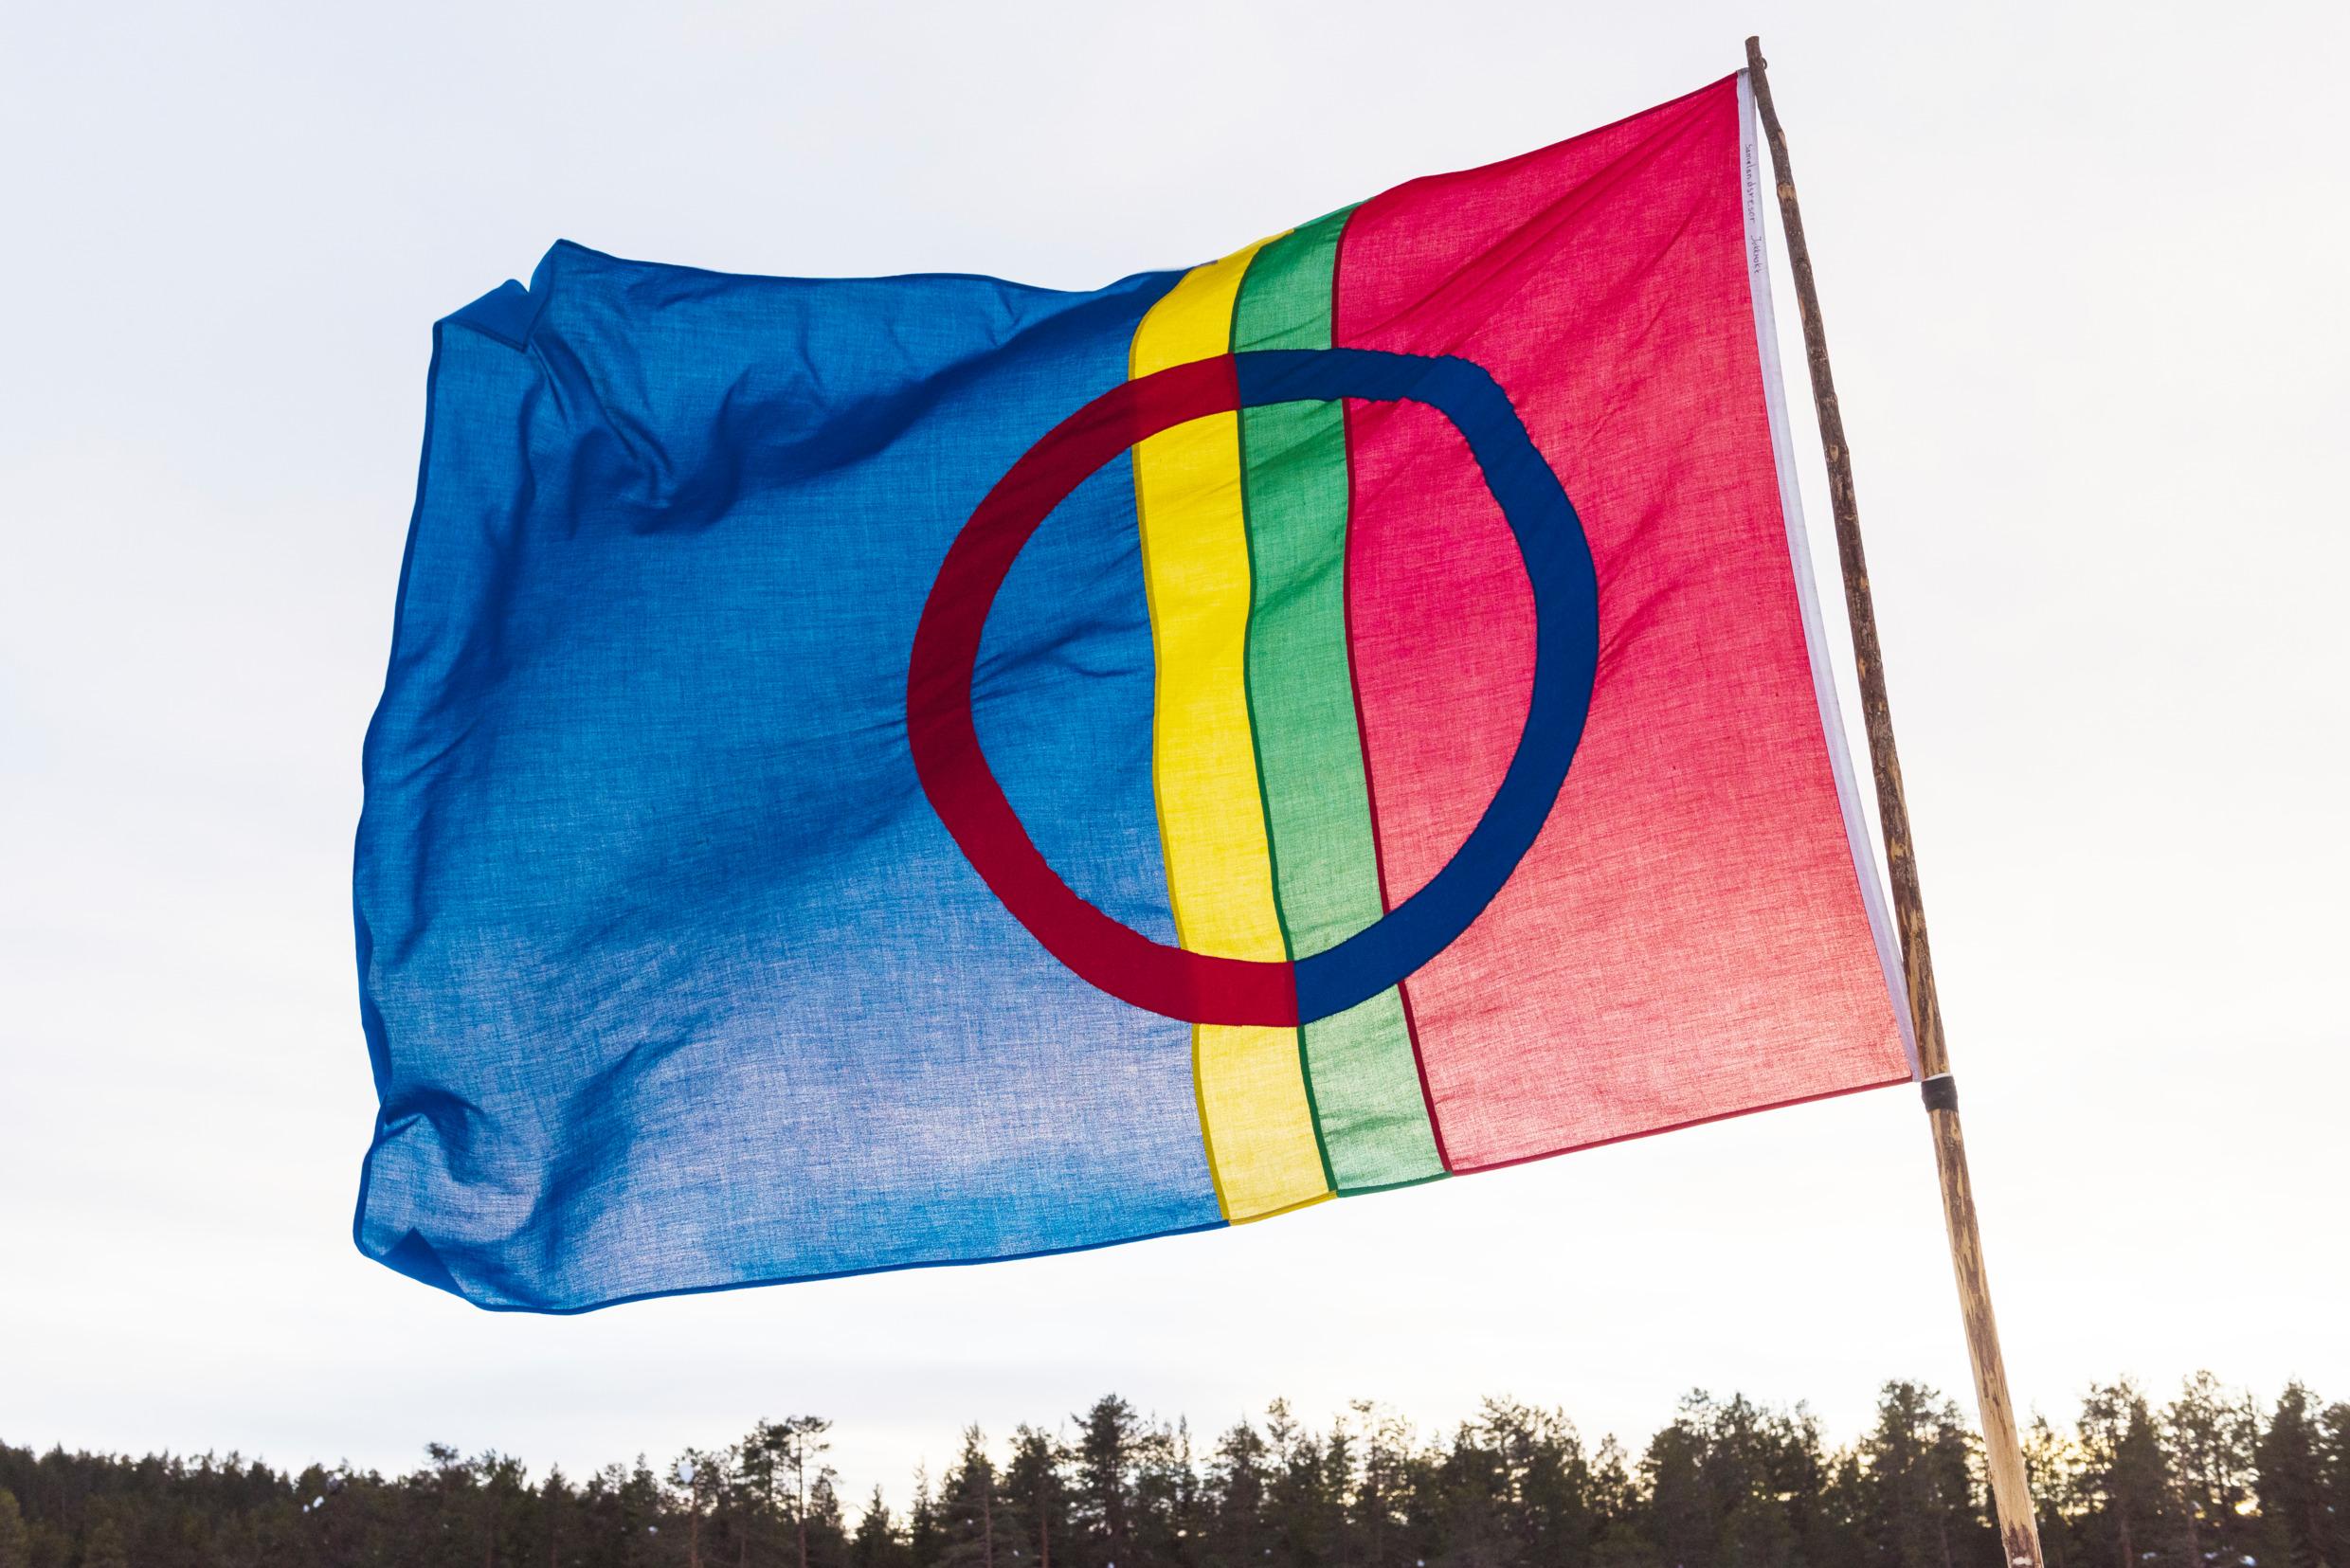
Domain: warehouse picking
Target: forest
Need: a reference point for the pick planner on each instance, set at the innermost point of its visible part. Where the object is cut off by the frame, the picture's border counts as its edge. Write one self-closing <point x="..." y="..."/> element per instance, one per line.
<point x="2209" y="1478"/>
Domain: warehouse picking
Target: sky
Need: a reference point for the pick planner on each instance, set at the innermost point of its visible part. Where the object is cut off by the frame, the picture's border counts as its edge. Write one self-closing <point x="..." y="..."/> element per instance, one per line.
<point x="2082" y="272"/>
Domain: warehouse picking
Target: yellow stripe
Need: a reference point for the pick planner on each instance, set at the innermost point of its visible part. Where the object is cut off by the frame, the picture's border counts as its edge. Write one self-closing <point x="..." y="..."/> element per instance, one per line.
<point x="1253" y="1108"/>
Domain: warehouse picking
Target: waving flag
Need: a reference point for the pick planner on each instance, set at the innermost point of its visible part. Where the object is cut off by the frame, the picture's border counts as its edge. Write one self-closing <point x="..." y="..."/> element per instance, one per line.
<point x="923" y="770"/>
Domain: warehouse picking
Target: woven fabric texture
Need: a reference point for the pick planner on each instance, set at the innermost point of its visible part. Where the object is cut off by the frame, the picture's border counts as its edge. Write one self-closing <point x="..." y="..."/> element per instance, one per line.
<point x="925" y="769"/>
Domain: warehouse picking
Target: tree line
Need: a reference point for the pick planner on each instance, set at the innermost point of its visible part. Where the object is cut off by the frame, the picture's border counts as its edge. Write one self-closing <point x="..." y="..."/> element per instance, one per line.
<point x="2207" y="1479"/>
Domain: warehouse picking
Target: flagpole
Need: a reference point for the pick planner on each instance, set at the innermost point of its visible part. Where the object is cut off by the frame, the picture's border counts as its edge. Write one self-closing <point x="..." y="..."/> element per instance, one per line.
<point x="2003" y="1458"/>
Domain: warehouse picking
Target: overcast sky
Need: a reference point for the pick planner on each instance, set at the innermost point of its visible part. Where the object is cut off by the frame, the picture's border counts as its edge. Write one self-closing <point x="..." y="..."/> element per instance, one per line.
<point x="2082" y="268"/>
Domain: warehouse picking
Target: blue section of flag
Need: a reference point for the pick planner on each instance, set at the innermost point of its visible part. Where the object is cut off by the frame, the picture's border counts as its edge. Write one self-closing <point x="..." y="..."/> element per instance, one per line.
<point x="671" y="978"/>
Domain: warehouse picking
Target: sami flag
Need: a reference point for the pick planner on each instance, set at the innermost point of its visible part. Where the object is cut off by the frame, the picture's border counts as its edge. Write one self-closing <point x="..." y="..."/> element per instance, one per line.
<point x="923" y="770"/>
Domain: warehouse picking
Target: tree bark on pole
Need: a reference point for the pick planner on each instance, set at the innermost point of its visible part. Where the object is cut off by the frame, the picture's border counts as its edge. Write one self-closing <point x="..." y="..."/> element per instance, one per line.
<point x="2003" y="1458"/>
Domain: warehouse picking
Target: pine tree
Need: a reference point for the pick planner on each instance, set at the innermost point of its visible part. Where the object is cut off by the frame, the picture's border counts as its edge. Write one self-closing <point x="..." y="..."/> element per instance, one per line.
<point x="2298" y="1529"/>
<point x="1729" y="1483"/>
<point x="1844" y="1512"/>
<point x="1166" y="1498"/>
<point x="1103" y="1494"/>
<point x="2336" y="1468"/>
<point x="101" y="1547"/>
<point x="1681" y="1520"/>
<point x="823" y="1524"/>
<point x="2050" y="1466"/>
<point x="1036" y="1502"/>
<point x="787" y="1459"/>
<point x="1340" y="1465"/>
<point x="1238" y="1475"/>
<point x="2124" y="1480"/>
<point x="1305" y="1492"/>
<point x="706" y="1484"/>
<point x="1796" y="1475"/>
<point x="925" y="1535"/>
<point x="757" y="1503"/>
<point x="1383" y="1515"/>
<point x="1619" y="1511"/>
<point x="553" y="1518"/>
<point x="1535" y="1483"/>
<point x="877" y="1542"/>
<point x="977" y="1528"/>
<point x="16" y="1542"/>
<point x="1918" y="1480"/>
<point x="2209" y="1437"/>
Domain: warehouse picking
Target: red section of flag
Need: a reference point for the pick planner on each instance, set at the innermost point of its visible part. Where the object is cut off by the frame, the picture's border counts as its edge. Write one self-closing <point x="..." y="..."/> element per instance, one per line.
<point x="1687" y="940"/>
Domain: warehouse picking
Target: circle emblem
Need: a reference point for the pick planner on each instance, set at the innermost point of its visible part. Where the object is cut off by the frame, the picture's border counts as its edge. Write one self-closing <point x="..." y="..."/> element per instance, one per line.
<point x="1113" y="956"/>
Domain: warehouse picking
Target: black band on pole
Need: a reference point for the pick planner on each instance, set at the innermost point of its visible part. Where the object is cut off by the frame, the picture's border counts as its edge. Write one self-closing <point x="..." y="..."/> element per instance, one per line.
<point x="1940" y="1093"/>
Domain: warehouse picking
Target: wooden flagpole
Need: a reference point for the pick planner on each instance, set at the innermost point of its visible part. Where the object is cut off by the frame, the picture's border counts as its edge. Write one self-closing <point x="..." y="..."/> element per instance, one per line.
<point x="2011" y="1492"/>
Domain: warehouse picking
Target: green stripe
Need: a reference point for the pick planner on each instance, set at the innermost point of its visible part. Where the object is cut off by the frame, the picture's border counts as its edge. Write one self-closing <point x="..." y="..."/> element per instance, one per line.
<point x="1360" y="1077"/>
